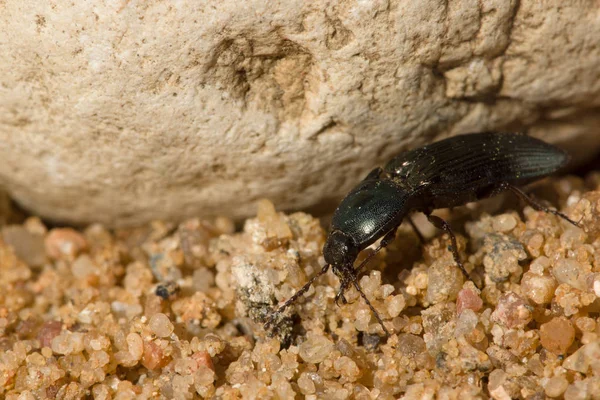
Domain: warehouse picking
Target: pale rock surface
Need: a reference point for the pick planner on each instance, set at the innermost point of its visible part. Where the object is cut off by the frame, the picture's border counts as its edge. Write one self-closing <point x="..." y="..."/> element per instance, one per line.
<point x="122" y="111"/>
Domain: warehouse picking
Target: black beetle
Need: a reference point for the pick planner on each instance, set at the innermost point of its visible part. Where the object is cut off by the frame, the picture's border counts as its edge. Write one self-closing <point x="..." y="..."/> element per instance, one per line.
<point x="447" y="173"/>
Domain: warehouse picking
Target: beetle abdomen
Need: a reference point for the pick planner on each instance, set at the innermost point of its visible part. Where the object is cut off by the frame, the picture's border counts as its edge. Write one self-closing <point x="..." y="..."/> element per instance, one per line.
<point x="476" y="161"/>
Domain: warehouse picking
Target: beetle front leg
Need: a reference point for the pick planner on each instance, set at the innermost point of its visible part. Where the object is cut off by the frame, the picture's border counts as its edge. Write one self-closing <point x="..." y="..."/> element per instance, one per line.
<point x="387" y="239"/>
<point x="346" y="278"/>
<point x="351" y="276"/>
<point x="445" y="226"/>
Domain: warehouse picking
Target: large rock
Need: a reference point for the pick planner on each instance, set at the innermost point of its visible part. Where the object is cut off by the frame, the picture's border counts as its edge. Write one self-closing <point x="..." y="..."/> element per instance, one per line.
<point x="123" y="111"/>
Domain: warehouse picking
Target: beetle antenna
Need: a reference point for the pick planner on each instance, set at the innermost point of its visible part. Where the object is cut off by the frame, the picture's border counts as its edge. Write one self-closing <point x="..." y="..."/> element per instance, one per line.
<point x="295" y="296"/>
<point x="364" y="296"/>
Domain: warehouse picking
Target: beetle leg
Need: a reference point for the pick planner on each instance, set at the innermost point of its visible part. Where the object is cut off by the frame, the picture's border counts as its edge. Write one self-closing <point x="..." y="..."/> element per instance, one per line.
<point x="296" y="295"/>
<point x="416" y="230"/>
<point x="387" y="239"/>
<point x="352" y="276"/>
<point x="364" y="296"/>
<point x="443" y="225"/>
<point x="345" y="279"/>
<point x="537" y="206"/>
<point x="340" y="298"/>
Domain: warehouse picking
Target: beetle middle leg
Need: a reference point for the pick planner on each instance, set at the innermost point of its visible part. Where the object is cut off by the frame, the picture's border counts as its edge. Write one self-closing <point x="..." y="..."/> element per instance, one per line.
<point x="445" y="226"/>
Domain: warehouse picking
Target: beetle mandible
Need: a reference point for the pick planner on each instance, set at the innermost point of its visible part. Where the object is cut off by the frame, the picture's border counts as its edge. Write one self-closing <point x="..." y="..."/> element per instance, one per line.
<point x="447" y="173"/>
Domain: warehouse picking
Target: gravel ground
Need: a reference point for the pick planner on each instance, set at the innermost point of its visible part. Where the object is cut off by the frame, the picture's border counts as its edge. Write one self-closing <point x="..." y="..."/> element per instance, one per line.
<point x="176" y="311"/>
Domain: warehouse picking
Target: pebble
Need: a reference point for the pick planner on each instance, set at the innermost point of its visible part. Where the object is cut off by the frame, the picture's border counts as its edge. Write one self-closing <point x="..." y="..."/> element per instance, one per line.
<point x="64" y="243"/>
<point x="306" y="385"/>
<point x="585" y="357"/>
<point x="538" y="288"/>
<point x="28" y="246"/>
<point x="466" y="323"/>
<point x="556" y="386"/>
<point x="161" y="325"/>
<point x="225" y="225"/>
<point x="502" y="257"/>
<point x="512" y="311"/>
<point x="395" y="305"/>
<point x="585" y="324"/>
<point x="445" y="280"/>
<point x="198" y="309"/>
<point x="371" y="283"/>
<point x="468" y="299"/>
<point x="571" y="299"/>
<point x="135" y="345"/>
<point x="205" y="375"/>
<point x="369" y="342"/>
<point x="203" y="382"/>
<point x="572" y="237"/>
<point x="68" y="343"/>
<point x="557" y="335"/>
<point x="203" y="359"/>
<point x="496" y="378"/>
<point x="154" y="356"/>
<point x="48" y="331"/>
<point x="276" y="231"/>
<point x="362" y="319"/>
<point x="83" y="266"/>
<point x="569" y="271"/>
<point x="579" y="390"/>
<point x="347" y="368"/>
<point x="411" y="345"/>
<point x="504" y="223"/>
<point x="596" y="285"/>
<point x="539" y="265"/>
<point x="167" y="290"/>
<point x="534" y="243"/>
<point x="315" y="348"/>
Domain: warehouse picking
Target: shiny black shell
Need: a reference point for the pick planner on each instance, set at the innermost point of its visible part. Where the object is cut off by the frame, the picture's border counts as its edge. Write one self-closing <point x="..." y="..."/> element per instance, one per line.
<point x="370" y="210"/>
<point x="447" y="173"/>
<point x="468" y="167"/>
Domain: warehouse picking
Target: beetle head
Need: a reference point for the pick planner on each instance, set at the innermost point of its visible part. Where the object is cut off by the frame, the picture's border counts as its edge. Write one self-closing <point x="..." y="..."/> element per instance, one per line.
<point x="339" y="250"/>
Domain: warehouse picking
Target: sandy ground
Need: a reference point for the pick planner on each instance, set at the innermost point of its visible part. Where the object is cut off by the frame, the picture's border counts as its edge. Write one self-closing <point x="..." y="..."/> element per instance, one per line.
<point x="177" y="311"/>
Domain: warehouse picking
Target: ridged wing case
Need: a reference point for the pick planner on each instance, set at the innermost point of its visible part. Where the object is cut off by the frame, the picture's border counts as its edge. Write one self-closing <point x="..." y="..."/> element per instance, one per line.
<point x="476" y="162"/>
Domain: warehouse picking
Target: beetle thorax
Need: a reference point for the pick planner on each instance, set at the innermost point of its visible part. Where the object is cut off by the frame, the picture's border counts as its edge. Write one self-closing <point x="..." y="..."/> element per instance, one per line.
<point x="339" y="249"/>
